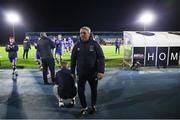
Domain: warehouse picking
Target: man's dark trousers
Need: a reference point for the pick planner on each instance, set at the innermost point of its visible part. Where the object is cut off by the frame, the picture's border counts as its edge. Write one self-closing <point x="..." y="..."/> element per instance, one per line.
<point x="93" y="82"/>
<point x="48" y="63"/>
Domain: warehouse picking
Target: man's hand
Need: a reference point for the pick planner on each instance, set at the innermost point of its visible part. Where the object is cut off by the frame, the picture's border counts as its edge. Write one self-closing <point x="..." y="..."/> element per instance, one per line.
<point x="100" y="76"/>
<point x="73" y="75"/>
<point x="56" y="85"/>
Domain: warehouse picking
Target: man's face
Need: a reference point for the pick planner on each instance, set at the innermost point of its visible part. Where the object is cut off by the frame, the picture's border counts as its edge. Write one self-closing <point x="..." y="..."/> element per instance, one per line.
<point x="27" y="37"/>
<point x="11" y="40"/>
<point x="59" y="37"/>
<point x="44" y="34"/>
<point x="84" y="34"/>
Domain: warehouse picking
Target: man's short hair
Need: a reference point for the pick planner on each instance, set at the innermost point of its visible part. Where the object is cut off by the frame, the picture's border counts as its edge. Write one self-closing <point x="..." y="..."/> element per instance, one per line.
<point x="86" y="28"/>
<point x="64" y="64"/>
<point x="11" y="37"/>
<point x="43" y="34"/>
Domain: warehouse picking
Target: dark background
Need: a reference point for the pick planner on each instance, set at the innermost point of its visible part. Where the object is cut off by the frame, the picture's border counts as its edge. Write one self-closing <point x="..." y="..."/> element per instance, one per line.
<point x="100" y="15"/>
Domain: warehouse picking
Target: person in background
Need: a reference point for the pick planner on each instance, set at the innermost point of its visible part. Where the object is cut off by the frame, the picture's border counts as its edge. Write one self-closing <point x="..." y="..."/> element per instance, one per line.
<point x="70" y="44"/>
<point x="65" y="44"/>
<point x="58" y="46"/>
<point x="26" y="46"/>
<point x="117" y="45"/>
<point x="38" y="58"/>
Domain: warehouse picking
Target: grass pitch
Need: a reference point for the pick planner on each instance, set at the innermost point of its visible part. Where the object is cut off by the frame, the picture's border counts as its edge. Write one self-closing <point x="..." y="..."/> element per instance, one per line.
<point x="111" y="59"/>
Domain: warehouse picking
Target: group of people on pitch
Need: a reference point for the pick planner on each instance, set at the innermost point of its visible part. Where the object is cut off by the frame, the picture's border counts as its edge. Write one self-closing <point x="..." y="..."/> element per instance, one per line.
<point x="87" y="65"/>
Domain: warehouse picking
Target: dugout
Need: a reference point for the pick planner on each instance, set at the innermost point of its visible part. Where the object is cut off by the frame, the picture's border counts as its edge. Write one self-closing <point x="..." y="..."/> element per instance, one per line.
<point x="152" y="48"/>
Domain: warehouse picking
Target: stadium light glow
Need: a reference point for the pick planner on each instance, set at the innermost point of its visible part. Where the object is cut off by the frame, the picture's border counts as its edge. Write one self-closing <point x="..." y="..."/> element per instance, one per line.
<point x="13" y="18"/>
<point x="147" y="18"/>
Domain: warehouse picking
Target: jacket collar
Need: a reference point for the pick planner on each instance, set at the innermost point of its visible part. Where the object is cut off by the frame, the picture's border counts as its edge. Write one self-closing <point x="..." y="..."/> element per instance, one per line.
<point x="86" y="41"/>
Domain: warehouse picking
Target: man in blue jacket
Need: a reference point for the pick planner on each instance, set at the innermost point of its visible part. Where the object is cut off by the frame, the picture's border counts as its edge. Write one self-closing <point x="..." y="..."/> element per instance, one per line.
<point x="87" y="56"/>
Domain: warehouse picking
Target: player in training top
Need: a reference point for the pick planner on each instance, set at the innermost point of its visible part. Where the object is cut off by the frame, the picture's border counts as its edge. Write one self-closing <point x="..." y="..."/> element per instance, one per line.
<point x="117" y="45"/>
<point x="58" y="51"/>
<point x="69" y="44"/>
<point x="38" y="58"/>
<point x="65" y="44"/>
<point x="12" y="49"/>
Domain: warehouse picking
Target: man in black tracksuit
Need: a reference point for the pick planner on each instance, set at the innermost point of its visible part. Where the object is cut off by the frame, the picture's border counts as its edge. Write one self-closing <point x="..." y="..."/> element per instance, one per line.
<point x="87" y="56"/>
<point x="45" y="47"/>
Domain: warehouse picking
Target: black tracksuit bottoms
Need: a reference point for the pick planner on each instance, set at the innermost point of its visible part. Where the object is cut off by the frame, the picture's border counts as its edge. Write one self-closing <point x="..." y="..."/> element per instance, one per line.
<point x="25" y="54"/>
<point x="48" y="63"/>
<point x="93" y="82"/>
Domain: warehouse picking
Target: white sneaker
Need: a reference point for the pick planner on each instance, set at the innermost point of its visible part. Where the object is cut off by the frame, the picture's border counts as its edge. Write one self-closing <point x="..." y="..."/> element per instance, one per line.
<point x="15" y="72"/>
<point x="61" y="104"/>
<point x="73" y="102"/>
<point x="83" y="111"/>
<point x="48" y="76"/>
<point x="40" y="68"/>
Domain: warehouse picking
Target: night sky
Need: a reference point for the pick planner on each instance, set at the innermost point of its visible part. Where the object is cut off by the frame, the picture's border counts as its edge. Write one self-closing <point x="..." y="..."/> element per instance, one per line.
<point x="100" y="15"/>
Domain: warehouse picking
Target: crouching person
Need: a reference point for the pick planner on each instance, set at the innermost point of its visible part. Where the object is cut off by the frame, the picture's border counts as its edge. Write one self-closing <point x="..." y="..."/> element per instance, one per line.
<point x="65" y="87"/>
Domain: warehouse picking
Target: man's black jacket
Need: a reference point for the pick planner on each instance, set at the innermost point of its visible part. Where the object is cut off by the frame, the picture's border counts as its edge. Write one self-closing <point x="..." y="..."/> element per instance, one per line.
<point x="26" y="44"/>
<point x="88" y="58"/>
<point x="44" y="47"/>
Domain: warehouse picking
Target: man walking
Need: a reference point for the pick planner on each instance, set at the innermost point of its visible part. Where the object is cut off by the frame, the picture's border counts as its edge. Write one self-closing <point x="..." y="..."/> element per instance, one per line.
<point x="87" y="56"/>
<point x="45" y="47"/>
